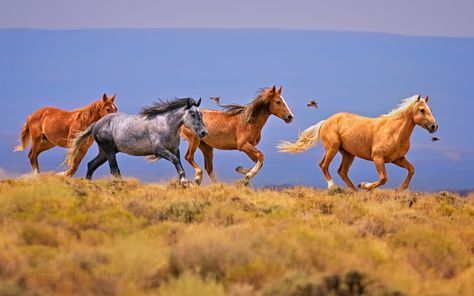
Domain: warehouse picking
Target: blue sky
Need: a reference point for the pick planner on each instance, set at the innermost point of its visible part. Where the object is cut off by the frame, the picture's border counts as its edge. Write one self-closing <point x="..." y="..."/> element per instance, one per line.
<point x="364" y="73"/>
<point x="360" y="72"/>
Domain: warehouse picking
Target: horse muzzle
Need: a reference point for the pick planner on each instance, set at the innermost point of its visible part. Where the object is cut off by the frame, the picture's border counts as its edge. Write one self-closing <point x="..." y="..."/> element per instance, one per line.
<point x="432" y="127"/>
<point x="288" y="118"/>
<point x="203" y="133"/>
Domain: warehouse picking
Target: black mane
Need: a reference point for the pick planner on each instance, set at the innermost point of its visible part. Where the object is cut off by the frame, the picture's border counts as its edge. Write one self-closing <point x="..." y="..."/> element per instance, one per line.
<point x="162" y="106"/>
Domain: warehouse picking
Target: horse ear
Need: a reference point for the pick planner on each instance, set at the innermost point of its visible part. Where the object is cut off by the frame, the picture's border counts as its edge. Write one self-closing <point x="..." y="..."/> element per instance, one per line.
<point x="112" y="99"/>
<point x="273" y="89"/>
<point x="280" y="89"/>
<point x="104" y="97"/>
<point x="418" y="99"/>
<point x="198" y="102"/>
<point x="189" y="103"/>
<point x="426" y="99"/>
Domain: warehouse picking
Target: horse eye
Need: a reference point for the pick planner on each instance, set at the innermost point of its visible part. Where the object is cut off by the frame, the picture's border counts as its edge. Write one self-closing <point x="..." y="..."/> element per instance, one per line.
<point x="278" y="102"/>
<point x="422" y="111"/>
<point x="108" y="110"/>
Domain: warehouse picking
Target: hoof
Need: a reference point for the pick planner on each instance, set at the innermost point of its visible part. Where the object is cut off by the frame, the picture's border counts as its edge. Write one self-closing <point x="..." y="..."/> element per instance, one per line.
<point x="185" y="183"/>
<point x="198" y="180"/>
<point x="64" y="174"/>
<point x="242" y="170"/>
<point x="364" y="185"/>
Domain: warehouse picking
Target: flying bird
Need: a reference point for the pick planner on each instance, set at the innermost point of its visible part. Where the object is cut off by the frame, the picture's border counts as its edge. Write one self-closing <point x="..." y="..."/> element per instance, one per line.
<point x="434" y="139"/>
<point x="215" y="99"/>
<point x="312" y="104"/>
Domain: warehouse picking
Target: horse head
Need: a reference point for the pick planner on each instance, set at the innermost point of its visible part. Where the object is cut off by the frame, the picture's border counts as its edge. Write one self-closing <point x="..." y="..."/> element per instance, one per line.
<point x="423" y="116"/>
<point x="193" y="118"/>
<point x="278" y="106"/>
<point x="106" y="105"/>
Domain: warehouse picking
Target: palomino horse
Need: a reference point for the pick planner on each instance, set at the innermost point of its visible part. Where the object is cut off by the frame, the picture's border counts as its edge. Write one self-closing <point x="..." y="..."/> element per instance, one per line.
<point x="237" y="127"/>
<point x="383" y="139"/>
<point x="49" y="127"/>
<point x="154" y="132"/>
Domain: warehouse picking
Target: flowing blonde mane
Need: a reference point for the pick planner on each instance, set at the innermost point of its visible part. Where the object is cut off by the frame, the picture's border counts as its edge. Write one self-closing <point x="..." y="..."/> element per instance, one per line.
<point x="406" y="104"/>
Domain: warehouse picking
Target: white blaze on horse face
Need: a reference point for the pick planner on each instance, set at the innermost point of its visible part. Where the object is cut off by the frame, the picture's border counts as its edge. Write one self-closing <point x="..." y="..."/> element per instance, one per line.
<point x="114" y="108"/>
<point x="286" y="105"/>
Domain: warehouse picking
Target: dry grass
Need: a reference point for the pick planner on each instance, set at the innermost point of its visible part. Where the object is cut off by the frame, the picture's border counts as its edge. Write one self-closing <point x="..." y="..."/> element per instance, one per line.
<point x="62" y="236"/>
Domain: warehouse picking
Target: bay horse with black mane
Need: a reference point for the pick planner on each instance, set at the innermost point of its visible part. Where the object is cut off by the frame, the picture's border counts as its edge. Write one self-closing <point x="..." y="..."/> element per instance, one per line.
<point x="49" y="127"/>
<point x="237" y="127"/>
<point x="385" y="139"/>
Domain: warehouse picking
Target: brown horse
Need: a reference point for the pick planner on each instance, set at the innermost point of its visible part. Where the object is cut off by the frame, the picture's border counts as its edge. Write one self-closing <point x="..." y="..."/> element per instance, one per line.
<point x="238" y="127"/>
<point x="49" y="127"/>
<point x="383" y="140"/>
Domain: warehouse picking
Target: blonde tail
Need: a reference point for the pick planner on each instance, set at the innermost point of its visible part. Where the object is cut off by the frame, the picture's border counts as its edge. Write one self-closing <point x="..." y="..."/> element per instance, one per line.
<point x="307" y="139"/>
<point x="76" y="145"/>
<point x="24" y="138"/>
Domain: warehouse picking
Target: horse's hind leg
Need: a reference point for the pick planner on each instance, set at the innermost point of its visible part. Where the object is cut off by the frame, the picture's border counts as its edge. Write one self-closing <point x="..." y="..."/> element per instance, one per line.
<point x="110" y="151"/>
<point x="380" y="166"/>
<point x="193" y="144"/>
<point x="324" y="165"/>
<point x="404" y="163"/>
<point x="38" y="145"/>
<point x="114" y="169"/>
<point x="94" y="164"/>
<point x="346" y="163"/>
<point x="208" y="153"/>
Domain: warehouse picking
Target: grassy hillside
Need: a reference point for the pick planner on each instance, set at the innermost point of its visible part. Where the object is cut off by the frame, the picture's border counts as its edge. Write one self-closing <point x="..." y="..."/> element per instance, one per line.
<point x="61" y="236"/>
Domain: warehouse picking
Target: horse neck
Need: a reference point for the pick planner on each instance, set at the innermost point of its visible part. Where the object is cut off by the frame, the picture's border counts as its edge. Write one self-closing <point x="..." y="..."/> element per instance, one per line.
<point x="175" y="120"/>
<point x="89" y="114"/>
<point x="260" y="119"/>
<point x="403" y="126"/>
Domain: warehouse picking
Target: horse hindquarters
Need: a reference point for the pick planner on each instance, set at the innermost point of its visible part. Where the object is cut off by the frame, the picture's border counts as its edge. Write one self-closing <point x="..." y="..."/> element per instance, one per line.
<point x="32" y="131"/>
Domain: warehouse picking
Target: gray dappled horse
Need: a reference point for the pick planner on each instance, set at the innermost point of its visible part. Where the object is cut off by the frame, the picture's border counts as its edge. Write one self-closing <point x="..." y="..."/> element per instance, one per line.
<point x="154" y="132"/>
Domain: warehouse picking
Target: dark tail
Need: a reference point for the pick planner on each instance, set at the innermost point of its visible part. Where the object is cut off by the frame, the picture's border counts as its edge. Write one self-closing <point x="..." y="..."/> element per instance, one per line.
<point x="24" y="138"/>
<point x="76" y="144"/>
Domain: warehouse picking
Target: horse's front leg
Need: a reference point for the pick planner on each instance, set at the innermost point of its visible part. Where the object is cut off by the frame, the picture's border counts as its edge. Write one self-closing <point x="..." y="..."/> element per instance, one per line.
<point x="193" y="145"/>
<point x="380" y="166"/>
<point x="257" y="156"/>
<point x="174" y="158"/>
<point x="404" y="163"/>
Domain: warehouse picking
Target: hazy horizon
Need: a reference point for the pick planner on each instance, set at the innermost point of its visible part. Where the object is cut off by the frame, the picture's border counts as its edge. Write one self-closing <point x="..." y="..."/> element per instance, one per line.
<point x="406" y="17"/>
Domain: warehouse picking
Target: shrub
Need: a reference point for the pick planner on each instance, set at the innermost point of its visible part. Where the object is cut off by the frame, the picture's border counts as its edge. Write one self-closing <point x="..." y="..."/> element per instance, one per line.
<point x="183" y="211"/>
